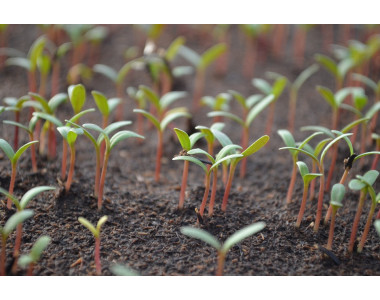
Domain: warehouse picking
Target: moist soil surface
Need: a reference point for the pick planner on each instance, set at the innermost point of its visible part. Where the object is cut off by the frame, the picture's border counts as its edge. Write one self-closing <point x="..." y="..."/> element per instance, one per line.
<point x="143" y="227"/>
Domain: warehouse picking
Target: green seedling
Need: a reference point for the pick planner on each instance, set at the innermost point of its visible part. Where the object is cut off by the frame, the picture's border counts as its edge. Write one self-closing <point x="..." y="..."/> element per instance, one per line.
<point x="223" y="249"/>
<point x="79" y="73"/>
<point x="337" y="194"/>
<point x="44" y="66"/>
<point x="13" y="157"/>
<point x="3" y="42"/>
<point x="76" y="33"/>
<point x="5" y="231"/>
<point x="105" y="106"/>
<point x="111" y="142"/>
<point x="96" y="233"/>
<point x="95" y="36"/>
<point x="21" y="206"/>
<point x="307" y="178"/>
<point x="276" y="89"/>
<point x="218" y="103"/>
<point x="252" y="106"/>
<point x="223" y="155"/>
<point x="31" y="259"/>
<point x="70" y="136"/>
<point x="29" y="62"/>
<point x="187" y="143"/>
<point x="163" y="119"/>
<point x="120" y="270"/>
<point x="57" y="56"/>
<point x="201" y="63"/>
<point x="289" y="141"/>
<point x="364" y="185"/>
<point x="118" y="79"/>
<point x="320" y="164"/>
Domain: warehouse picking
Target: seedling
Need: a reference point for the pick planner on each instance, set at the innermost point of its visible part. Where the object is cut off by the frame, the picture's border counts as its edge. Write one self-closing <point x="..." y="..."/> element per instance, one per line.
<point x="218" y="103"/>
<point x="223" y="249"/>
<point x="44" y="66"/>
<point x="187" y="143"/>
<point x="70" y="136"/>
<point x="337" y="194"/>
<point x="300" y="43"/>
<point x="13" y="157"/>
<point x="110" y="144"/>
<point x="76" y="33"/>
<point x="31" y="259"/>
<point x="57" y="56"/>
<point x="252" y="106"/>
<point x="201" y="62"/>
<point x="5" y="231"/>
<point x="364" y="185"/>
<point x="276" y="89"/>
<point x="96" y="233"/>
<point x="163" y="118"/>
<point x="95" y="37"/>
<point x="307" y="178"/>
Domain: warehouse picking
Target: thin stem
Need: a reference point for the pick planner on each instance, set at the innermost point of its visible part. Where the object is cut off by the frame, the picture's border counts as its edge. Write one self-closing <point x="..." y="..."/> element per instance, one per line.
<point x="292" y="183"/>
<point x="213" y="192"/>
<point x="228" y="186"/>
<point x="205" y="195"/>
<point x="292" y="109"/>
<point x="16" y="251"/>
<point x="332" y="166"/>
<point x="221" y="261"/>
<point x="244" y="144"/>
<point x="71" y="170"/>
<point x="303" y="204"/>
<point x="331" y="233"/>
<point x="225" y="173"/>
<point x="30" y="269"/>
<point x="64" y="160"/>
<point x="52" y="142"/>
<point x="299" y="46"/>
<point x="367" y="226"/>
<point x="102" y="180"/>
<point x="313" y="182"/>
<point x="184" y="184"/>
<point x="198" y="89"/>
<point x="97" y="173"/>
<point x="33" y="153"/>
<point x="158" y="156"/>
<point x="42" y="89"/>
<point x="320" y="200"/>
<point x="250" y="55"/>
<point x="17" y="119"/>
<point x="97" y="256"/>
<point x="42" y="140"/>
<point x="363" y="194"/>
<point x="12" y="184"/>
<point x="103" y="143"/>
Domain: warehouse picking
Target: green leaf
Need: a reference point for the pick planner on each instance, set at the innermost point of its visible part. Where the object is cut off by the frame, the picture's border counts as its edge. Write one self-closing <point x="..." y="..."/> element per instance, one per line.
<point x="228" y="149"/>
<point x="222" y="138"/>
<point x="194" y="138"/>
<point x="14" y="220"/>
<point x="330" y="144"/>
<point x="170" y="97"/>
<point x="328" y="64"/>
<point x="182" y="71"/>
<point x="190" y="55"/>
<point x="76" y="117"/>
<point x="202" y="235"/>
<point x="101" y="221"/>
<point x="77" y="94"/>
<point x="152" y="96"/>
<point x="36" y="51"/>
<point x="318" y="128"/>
<point x="24" y="261"/>
<point x="183" y="139"/>
<point x="342" y="94"/>
<point x="302" y="151"/>
<point x="101" y="102"/>
<point x="123" y="72"/>
<point x="44" y="64"/>
<point x="239" y="97"/>
<point x="308" y="139"/>
<point x="39" y="246"/>
<point x="371" y="112"/>
<point x="366" y="80"/>
<point x="32" y="193"/>
<point x="309" y="177"/>
<point x="63" y="49"/>
<point x="17" y="125"/>
<point x="89" y="226"/>
<point x="120" y="270"/>
<point x="227" y="115"/>
<point x="49" y="118"/>
<point x="122" y="135"/>
<point x="242" y="234"/>
<point x="353" y="124"/>
<point x="106" y="71"/>
<point x="356" y="185"/>
<point x="279" y="86"/>
<point x="19" y="62"/>
<point x="347" y="140"/>
<point x="351" y="109"/>
<point x="262" y="85"/>
<point x="370" y="177"/>
<point x="287" y="137"/>
<point x="337" y="194"/>
<point x="253" y="100"/>
<point x="328" y="95"/>
<point x="302" y="167"/>
<point x="237" y="158"/>
<point x="201" y="151"/>
<point x="305" y="75"/>
<point x="377" y="226"/>
<point x="173" y="48"/>
<point x="150" y="117"/>
<point x="113" y="103"/>
<point x="210" y="55"/>
<point x="193" y="160"/>
<point x="173" y="114"/>
<point x="116" y="125"/>
<point x="21" y="150"/>
<point x="259" y="108"/>
<point x="366" y="153"/>
<point x="42" y="101"/>
<point x="256" y="146"/>
<point x="13" y="198"/>
<point x="57" y="100"/>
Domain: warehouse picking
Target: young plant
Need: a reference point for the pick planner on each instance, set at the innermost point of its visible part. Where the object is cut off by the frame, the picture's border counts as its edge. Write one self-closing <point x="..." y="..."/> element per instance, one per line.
<point x="223" y="249"/>
<point x="252" y="106"/>
<point x="13" y="157"/>
<point x="201" y="62"/>
<point x="218" y="103"/>
<point x="70" y="136"/>
<point x="96" y="233"/>
<point x="337" y="194"/>
<point x="276" y="89"/>
<point x="5" y="231"/>
<point x="364" y="185"/>
<point x="110" y="144"/>
<point x="187" y="143"/>
<point x="31" y="259"/>
<point x="163" y="118"/>
<point x="307" y="178"/>
<point x="44" y="66"/>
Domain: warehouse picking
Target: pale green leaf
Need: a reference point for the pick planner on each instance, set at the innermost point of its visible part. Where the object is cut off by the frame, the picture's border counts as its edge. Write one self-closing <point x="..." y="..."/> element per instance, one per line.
<point x="190" y="55"/>
<point x="332" y="143"/>
<point x="14" y="220"/>
<point x="42" y="101"/>
<point x="366" y="153"/>
<point x="236" y="156"/>
<point x="328" y="95"/>
<point x="256" y="146"/>
<point x="171" y="97"/>
<point x="194" y="138"/>
<point x="302" y="151"/>
<point x="120" y="270"/>
<point x="116" y="125"/>
<point x="228" y="149"/>
<point x="305" y="75"/>
<point x="227" y="115"/>
<point x="77" y="95"/>
<point x="101" y="221"/>
<point x="337" y="194"/>
<point x="193" y="160"/>
<point x="32" y="193"/>
<point x="35" y="51"/>
<point x="262" y="85"/>
<point x="150" y="117"/>
<point x="113" y="103"/>
<point x="328" y="64"/>
<point x="12" y="197"/>
<point x="173" y="114"/>
<point x="210" y="55"/>
<point x="17" y="125"/>
<point x="49" y="118"/>
<point x="173" y="48"/>
<point x="201" y="151"/>
<point x="57" y="100"/>
<point x="122" y="135"/>
<point x="106" y="71"/>
<point x="221" y="137"/>
<point x="19" y="62"/>
<point x="356" y="185"/>
<point x="21" y="150"/>
<point x="152" y="96"/>
<point x="366" y="80"/>
<point x="318" y="128"/>
<point x="259" y="107"/>
<point x="202" y="235"/>
<point x="89" y="226"/>
<point x="302" y="167"/>
<point x="101" y="102"/>
<point x="183" y="139"/>
<point x="76" y="117"/>
<point x="39" y="246"/>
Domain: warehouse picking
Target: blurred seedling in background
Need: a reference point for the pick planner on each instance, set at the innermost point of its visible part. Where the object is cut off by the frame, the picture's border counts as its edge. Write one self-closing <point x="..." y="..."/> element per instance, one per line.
<point x="222" y="249"/>
<point x="337" y="194"/>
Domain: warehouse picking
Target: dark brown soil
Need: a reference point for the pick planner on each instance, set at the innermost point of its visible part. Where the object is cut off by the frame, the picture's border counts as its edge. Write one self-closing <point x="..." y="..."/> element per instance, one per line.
<point x="143" y="227"/>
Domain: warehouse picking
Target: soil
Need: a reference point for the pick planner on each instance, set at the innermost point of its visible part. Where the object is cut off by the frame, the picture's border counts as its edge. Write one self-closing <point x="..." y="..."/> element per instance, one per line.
<point x="143" y="227"/>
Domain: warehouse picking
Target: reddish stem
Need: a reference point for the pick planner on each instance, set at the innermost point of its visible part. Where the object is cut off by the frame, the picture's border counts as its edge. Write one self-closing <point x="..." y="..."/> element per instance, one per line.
<point x="42" y="89"/>
<point x="198" y="89"/>
<point x="205" y="195"/>
<point x="213" y="193"/>
<point x="313" y="182"/>
<point x="52" y="147"/>
<point x="32" y="82"/>
<point x="97" y="256"/>
<point x="299" y="46"/>
<point x="244" y="144"/>
<point x="320" y="200"/>
<point x="225" y="173"/>
<point x="367" y="226"/>
<point x="303" y="204"/>
<point x="356" y="220"/>
<point x="42" y="140"/>
<point x="375" y="159"/>
<point x="331" y="232"/>
<point x="103" y="144"/>
<point x="228" y="186"/>
<point x="64" y="160"/>
<point x="102" y="181"/>
<point x="328" y="36"/>
<point x="158" y="156"/>
<point x="184" y="184"/>
<point x="97" y="174"/>
<point x="16" y="251"/>
<point x="71" y="170"/>
<point x="279" y="36"/>
<point x="221" y="260"/>
<point x="250" y="55"/>
<point x="11" y="185"/>
<point x="292" y="183"/>
<point x="33" y="153"/>
<point x="17" y="119"/>
<point x="120" y="107"/>
<point x="292" y="110"/>
<point x="30" y="269"/>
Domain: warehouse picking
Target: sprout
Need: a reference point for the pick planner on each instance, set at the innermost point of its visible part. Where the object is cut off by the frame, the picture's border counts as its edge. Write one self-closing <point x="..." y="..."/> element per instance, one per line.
<point x="120" y="270"/>
<point x="95" y="36"/>
<point x="201" y="62"/>
<point x="163" y="118"/>
<point x="187" y="143"/>
<point x="44" y="65"/>
<point x="96" y="233"/>
<point x="5" y="231"/>
<point x="35" y="254"/>
<point x="218" y="103"/>
<point x="110" y="144"/>
<point x="307" y="178"/>
<point x="337" y="193"/>
<point x="208" y="238"/>
<point x="364" y="185"/>
<point x="13" y="157"/>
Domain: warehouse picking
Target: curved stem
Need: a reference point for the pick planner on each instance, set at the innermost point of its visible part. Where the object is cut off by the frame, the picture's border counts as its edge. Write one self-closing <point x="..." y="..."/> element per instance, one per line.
<point x="320" y="200"/>
<point x="64" y="160"/>
<point x="12" y="184"/>
<point x="331" y="232"/>
<point x="356" y="220"/>
<point x="244" y="144"/>
<point x="97" y="256"/>
<point x="228" y="186"/>
<point x="312" y="183"/>
<point x="367" y="226"/>
<point x="184" y="184"/>
<point x="292" y="183"/>
<point x="303" y="204"/>
<point x="213" y="192"/>
<point x="205" y="195"/>
<point x="71" y="170"/>
<point x="158" y="156"/>
<point x="221" y="260"/>
<point x="97" y="173"/>
<point x="102" y="180"/>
